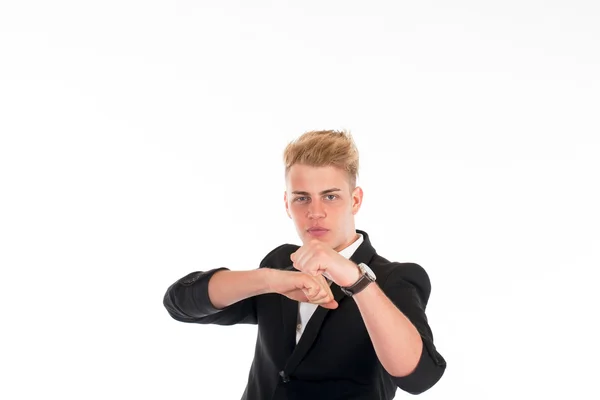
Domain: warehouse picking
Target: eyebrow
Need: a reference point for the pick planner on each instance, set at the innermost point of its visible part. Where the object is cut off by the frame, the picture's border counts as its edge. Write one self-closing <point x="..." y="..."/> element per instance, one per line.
<point x="327" y="191"/>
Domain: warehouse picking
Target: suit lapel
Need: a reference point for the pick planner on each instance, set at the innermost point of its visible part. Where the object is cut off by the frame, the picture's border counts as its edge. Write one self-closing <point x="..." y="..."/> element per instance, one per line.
<point x="289" y="315"/>
<point x="289" y="310"/>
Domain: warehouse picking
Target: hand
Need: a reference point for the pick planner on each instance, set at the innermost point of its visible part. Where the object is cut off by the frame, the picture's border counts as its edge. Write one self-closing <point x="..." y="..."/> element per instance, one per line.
<point x="318" y="259"/>
<point x="302" y="287"/>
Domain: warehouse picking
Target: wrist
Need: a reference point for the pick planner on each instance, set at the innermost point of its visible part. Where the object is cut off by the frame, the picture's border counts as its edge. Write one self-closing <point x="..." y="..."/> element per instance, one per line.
<point x="267" y="278"/>
<point x="367" y="276"/>
<point x="352" y="274"/>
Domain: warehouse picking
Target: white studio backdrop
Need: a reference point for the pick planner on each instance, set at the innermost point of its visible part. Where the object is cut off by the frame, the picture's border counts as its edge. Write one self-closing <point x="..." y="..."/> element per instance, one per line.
<point x="142" y="140"/>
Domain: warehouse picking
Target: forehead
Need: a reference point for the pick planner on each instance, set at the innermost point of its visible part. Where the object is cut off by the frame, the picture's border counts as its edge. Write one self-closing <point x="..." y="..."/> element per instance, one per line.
<point x="316" y="179"/>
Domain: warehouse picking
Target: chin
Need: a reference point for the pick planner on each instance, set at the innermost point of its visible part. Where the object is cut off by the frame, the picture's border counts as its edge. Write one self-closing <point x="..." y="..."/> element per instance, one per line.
<point x="308" y="237"/>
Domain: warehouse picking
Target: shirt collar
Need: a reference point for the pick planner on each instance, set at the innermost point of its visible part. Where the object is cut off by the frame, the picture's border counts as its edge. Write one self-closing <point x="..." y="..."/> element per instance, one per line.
<point x="348" y="251"/>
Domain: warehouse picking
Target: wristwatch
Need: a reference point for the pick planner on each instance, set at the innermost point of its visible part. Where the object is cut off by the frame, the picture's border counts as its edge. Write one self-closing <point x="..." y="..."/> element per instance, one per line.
<point x="367" y="276"/>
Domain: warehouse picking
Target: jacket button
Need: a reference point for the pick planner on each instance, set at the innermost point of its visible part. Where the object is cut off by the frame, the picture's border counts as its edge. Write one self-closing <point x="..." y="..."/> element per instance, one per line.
<point x="285" y="378"/>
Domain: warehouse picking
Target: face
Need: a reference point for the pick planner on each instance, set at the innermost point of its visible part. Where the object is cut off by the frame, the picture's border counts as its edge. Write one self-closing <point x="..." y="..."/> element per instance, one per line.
<point x="319" y="201"/>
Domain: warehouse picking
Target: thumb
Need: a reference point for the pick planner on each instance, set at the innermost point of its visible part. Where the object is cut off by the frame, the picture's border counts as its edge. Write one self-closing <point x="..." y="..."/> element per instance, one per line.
<point x="311" y="288"/>
<point x="331" y="305"/>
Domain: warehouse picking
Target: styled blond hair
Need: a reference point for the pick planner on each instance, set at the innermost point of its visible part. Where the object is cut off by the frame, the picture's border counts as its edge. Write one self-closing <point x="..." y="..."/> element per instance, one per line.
<point x="322" y="149"/>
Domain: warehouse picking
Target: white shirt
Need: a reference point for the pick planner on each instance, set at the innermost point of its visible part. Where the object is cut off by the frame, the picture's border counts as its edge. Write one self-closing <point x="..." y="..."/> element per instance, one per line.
<point x="306" y="310"/>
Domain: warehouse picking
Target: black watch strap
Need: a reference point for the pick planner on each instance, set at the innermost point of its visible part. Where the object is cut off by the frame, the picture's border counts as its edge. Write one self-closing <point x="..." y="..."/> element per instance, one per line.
<point x="358" y="286"/>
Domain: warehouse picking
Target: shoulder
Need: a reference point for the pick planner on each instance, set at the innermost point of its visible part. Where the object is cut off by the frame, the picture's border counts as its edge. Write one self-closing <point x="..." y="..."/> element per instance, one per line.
<point x="412" y="273"/>
<point x="408" y="275"/>
<point x="279" y="257"/>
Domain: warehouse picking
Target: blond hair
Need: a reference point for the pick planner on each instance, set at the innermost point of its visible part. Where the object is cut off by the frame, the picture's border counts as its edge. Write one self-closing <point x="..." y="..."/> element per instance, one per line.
<point x="322" y="149"/>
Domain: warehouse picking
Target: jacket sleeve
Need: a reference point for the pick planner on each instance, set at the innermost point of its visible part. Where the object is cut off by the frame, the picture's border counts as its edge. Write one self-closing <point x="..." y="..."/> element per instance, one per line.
<point x="409" y="288"/>
<point x="187" y="300"/>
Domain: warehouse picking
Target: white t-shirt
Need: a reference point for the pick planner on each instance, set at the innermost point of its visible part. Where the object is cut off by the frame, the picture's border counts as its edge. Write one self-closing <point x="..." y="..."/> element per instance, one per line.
<point x="306" y="310"/>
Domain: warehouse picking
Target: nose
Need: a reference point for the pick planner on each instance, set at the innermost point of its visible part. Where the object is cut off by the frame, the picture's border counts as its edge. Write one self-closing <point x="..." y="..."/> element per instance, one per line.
<point x="316" y="210"/>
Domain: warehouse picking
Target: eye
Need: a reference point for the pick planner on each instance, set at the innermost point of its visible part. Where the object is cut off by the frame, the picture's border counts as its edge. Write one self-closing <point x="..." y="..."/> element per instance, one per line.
<point x="301" y="198"/>
<point x="331" y="197"/>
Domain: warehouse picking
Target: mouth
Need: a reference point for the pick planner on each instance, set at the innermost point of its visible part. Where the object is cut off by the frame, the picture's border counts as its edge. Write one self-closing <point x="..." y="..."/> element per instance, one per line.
<point x="317" y="231"/>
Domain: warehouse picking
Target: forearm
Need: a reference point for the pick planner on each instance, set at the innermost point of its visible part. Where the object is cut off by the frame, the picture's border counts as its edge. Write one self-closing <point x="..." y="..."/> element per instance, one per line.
<point x="397" y="342"/>
<point x="228" y="287"/>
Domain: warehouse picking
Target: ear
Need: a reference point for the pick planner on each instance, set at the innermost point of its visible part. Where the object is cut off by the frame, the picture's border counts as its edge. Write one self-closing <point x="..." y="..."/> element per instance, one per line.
<point x="287" y="208"/>
<point x="357" y="198"/>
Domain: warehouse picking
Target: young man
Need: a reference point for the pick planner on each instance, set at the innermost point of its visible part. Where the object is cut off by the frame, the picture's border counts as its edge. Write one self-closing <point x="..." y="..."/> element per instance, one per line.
<point x="335" y="319"/>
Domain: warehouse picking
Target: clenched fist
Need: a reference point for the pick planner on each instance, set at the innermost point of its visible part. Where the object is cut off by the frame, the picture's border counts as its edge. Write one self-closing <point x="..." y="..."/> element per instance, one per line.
<point x="302" y="287"/>
<point x="316" y="258"/>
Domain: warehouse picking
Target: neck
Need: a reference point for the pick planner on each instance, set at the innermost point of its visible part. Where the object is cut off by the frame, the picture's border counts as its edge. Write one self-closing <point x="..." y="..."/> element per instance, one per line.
<point x="352" y="238"/>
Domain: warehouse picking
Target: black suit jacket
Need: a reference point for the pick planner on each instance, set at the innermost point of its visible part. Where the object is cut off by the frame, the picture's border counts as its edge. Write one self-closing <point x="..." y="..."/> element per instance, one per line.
<point x="334" y="358"/>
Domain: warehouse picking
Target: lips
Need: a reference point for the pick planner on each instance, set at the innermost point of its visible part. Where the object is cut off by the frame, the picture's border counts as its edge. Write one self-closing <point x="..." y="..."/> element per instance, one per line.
<point x="317" y="231"/>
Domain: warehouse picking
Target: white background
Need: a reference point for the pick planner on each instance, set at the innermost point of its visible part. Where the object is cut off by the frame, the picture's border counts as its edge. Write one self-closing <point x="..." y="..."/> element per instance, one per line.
<point x="142" y="140"/>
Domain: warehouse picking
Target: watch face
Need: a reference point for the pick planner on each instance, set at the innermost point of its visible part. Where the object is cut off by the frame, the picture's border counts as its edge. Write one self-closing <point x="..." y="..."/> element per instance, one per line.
<point x="370" y="274"/>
